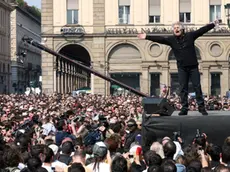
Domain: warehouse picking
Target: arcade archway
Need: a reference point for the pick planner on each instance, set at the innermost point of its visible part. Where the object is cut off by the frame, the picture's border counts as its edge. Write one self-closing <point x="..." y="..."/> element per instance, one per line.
<point x="71" y="77"/>
<point x="121" y="54"/>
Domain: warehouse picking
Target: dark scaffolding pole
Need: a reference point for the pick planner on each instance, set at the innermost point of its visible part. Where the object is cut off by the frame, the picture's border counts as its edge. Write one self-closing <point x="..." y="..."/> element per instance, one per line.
<point x="48" y="50"/>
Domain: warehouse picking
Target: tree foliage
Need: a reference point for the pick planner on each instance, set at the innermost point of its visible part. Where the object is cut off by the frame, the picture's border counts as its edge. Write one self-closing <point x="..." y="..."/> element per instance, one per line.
<point x="30" y="9"/>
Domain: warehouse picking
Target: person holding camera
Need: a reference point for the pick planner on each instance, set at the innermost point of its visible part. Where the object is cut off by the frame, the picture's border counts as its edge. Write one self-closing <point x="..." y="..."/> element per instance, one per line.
<point x="133" y="131"/>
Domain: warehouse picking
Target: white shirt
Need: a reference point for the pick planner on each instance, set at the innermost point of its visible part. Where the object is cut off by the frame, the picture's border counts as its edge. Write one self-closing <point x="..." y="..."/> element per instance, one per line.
<point x="21" y="166"/>
<point x="146" y="169"/>
<point x="59" y="164"/>
<point x="55" y="164"/>
<point x="103" y="167"/>
<point x="47" y="128"/>
<point x="48" y="168"/>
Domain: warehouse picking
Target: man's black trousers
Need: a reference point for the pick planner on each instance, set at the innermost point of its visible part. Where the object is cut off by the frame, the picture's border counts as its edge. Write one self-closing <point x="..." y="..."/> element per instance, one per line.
<point x="192" y="73"/>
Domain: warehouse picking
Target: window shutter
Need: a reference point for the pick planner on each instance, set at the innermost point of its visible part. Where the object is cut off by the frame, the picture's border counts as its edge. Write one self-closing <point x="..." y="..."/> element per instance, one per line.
<point x="185" y="6"/>
<point x="72" y="4"/>
<point x="124" y="2"/>
<point x="154" y="7"/>
<point x="215" y="2"/>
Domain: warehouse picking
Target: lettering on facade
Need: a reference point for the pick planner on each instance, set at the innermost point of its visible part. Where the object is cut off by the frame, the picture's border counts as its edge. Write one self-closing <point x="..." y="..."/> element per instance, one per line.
<point x="163" y="30"/>
<point x="72" y="30"/>
<point x="122" y="31"/>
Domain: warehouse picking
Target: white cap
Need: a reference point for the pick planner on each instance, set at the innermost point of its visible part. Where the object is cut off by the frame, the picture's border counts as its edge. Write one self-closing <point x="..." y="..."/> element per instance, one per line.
<point x="54" y="148"/>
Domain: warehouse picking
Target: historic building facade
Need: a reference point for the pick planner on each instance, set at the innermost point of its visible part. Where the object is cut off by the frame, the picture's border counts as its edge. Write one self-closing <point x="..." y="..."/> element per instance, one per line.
<point x="26" y="59"/>
<point x="5" y="72"/>
<point x="102" y="35"/>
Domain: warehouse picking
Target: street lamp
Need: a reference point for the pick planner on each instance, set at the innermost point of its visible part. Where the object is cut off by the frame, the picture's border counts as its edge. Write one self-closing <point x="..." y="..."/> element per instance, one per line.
<point x="227" y="13"/>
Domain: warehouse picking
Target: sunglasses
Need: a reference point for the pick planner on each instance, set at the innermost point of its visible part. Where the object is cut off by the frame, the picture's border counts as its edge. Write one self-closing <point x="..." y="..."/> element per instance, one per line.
<point x="130" y="125"/>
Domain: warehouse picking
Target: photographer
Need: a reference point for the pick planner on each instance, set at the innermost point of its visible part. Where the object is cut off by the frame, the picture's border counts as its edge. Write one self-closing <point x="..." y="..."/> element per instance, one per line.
<point x="201" y="140"/>
<point x="61" y="133"/>
<point x="133" y="131"/>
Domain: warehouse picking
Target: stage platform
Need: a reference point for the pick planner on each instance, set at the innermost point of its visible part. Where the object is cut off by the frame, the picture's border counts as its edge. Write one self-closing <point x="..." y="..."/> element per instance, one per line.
<point x="196" y="113"/>
<point x="216" y="125"/>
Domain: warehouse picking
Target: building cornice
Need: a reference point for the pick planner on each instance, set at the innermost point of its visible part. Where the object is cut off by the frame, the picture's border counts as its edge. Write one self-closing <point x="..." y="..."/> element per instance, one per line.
<point x="6" y="5"/>
<point x="28" y="15"/>
<point x="121" y="35"/>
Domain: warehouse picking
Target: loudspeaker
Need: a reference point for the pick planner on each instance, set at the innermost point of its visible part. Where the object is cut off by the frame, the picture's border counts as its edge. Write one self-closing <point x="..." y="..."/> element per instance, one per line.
<point x="152" y="104"/>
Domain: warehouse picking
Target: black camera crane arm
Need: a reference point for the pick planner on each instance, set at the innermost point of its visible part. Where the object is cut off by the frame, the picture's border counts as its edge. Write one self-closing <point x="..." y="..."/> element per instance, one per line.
<point x="50" y="51"/>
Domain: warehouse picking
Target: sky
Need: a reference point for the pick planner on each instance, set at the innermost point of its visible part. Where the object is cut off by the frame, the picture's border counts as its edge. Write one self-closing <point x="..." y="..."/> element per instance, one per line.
<point x="36" y="3"/>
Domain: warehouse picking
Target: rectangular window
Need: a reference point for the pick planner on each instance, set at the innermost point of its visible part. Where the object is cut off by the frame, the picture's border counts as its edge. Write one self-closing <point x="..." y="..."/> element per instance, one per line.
<point x="130" y="79"/>
<point x="215" y="84"/>
<point x="155" y="84"/>
<point x="124" y="14"/>
<point x="154" y="11"/>
<point x="175" y="85"/>
<point x="185" y="17"/>
<point x="124" y="11"/>
<point x="185" y="11"/>
<point x="215" y="12"/>
<point x="72" y="11"/>
<point x="154" y="19"/>
<point x="72" y="16"/>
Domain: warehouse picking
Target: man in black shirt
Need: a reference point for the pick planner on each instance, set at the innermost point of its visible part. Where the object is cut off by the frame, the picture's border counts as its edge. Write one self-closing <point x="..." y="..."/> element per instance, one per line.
<point x="183" y="47"/>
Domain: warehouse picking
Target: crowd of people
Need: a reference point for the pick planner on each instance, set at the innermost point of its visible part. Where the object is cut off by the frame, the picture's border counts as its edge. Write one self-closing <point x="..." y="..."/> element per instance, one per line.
<point x="95" y="133"/>
<point x="219" y="103"/>
<point x="211" y="102"/>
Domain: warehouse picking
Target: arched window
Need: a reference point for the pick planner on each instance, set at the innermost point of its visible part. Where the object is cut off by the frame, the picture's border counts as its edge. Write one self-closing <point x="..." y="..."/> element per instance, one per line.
<point x="172" y="56"/>
<point x="124" y="51"/>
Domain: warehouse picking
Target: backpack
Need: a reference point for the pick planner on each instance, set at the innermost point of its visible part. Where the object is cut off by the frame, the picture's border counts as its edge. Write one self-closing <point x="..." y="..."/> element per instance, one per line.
<point x="92" y="137"/>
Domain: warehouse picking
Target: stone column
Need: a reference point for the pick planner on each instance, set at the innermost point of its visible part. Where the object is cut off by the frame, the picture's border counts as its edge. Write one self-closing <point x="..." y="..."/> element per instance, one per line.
<point x="47" y="59"/>
<point x="75" y="77"/>
<point x="77" y="81"/>
<point x="55" y="68"/>
<point x="71" y="77"/>
<point x="99" y="16"/>
<point x="80" y="82"/>
<point x="55" y="80"/>
<point x="61" y="82"/>
<point x="61" y="77"/>
<point x="58" y="76"/>
<point x="99" y="55"/>
<point x="98" y="48"/>
<point x="145" y="80"/>
<point x="58" y="81"/>
<point x="47" y="73"/>
<point x="205" y="82"/>
<point x="164" y="77"/>
<point x="92" y="83"/>
<point x="67" y="78"/>
<point x="224" y="79"/>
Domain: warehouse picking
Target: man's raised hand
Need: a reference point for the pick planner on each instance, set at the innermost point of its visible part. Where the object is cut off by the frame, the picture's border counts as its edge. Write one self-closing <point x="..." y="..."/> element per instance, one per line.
<point x="141" y="35"/>
<point x="216" y="22"/>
